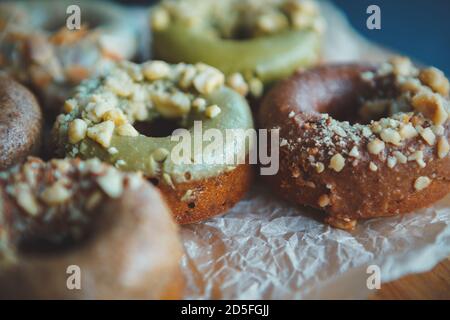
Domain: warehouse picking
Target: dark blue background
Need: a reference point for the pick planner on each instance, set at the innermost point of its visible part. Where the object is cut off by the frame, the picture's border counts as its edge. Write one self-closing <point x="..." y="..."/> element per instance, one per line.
<point x="418" y="28"/>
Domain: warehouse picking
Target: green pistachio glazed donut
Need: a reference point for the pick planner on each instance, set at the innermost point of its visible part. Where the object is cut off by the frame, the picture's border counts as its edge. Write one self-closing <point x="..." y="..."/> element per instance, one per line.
<point x="101" y="120"/>
<point x="265" y="40"/>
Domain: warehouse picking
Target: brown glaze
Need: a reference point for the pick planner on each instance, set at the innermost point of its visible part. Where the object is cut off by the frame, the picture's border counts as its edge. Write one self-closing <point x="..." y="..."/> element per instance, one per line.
<point x="127" y="247"/>
<point x="210" y="197"/>
<point x="356" y="192"/>
<point x="20" y="123"/>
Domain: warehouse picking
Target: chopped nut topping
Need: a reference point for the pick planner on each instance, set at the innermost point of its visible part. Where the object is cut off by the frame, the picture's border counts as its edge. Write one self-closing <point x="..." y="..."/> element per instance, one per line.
<point x="375" y="146"/>
<point x="209" y="80"/>
<point x="428" y="135"/>
<point x="432" y="106"/>
<point x="407" y="131"/>
<point x="212" y="111"/>
<point x="237" y="82"/>
<point x="400" y="157"/>
<point x="391" y="162"/>
<point x="111" y="183"/>
<point x="436" y="80"/>
<point x="77" y="130"/>
<point x="373" y="166"/>
<point x="443" y="147"/>
<point x="390" y="136"/>
<point x="320" y="167"/>
<point x="418" y="157"/>
<point x="199" y="104"/>
<point x="55" y="194"/>
<point x="337" y="162"/>
<point x="324" y="201"/>
<point x="102" y="133"/>
<point x="127" y="130"/>
<point x="26" y="200"/>
<point x="422" y="183"/>
<point x="160" y="19"/>
<point x="156" y="70"/>
<point x="256" y="87"/>
<point x="354" y="152"/>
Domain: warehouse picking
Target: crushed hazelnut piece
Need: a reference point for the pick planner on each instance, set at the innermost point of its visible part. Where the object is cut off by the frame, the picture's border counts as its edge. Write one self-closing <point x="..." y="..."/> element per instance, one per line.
<point x="26" y="200"/>
<point x="407" y="131"/>
<point x="431" y="105"/>
<point x="373" y="166"/>
<point x="418" y="157"/>
<point x="115" y="116"/>
<point x="390" y="136"/>
<point x="337" y="162"/>
<point x="127" y="130"/>
<point x="56" y="194"/>
<point x="324" y="201"/>
<point x="436" y="80"/>
<point x="443" y="147"/>
<point x="428" y="135"/>
<point x="208" y="80"/>
<point x="236" y="81"/>
<point x="102" y="133"/>
<point x="320" y="167"/>
<point x="400" y="157"/>
<point x="199" y="104"/>
<point x="156" y="70"/>
<point x="391" y="162"/>
<point x="160" y="19"/>
<point x="422" y="183"/>
<point x="77" y="130"/>
<point x="375" y="146"/>
<point x="212" y="111"/>
<point x="354" y="152"/>
<point x="111" y="183"/>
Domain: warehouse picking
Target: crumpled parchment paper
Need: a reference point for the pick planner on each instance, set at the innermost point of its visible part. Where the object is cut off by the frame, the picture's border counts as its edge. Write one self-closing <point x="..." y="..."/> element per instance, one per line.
<point x="265" y="248"/>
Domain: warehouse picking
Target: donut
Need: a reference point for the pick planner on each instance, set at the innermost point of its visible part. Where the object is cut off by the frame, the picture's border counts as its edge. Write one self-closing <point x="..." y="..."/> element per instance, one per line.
<point x="64" y="215"/>
<point x="38" y="49"/>
<point x="126" y="117"/>
<point x="20" y="123"/>
<point x="253" y="42"/>
<point x="360" y="141"/>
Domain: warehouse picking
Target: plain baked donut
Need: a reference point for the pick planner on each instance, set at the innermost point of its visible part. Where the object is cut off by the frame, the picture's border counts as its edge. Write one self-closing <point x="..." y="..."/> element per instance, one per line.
<point x="370" y="167"/>
<point x="101" y="120"/>
<point x="39" y="50"/>
<point x="20" y="123"/>
<point x="263" y="40"/>
<point x="111" y="225"/>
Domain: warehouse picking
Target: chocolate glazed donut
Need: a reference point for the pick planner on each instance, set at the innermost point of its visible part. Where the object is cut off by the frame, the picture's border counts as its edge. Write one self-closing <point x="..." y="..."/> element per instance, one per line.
<point x="350" y="170"/>
<point x="20" y="123"/>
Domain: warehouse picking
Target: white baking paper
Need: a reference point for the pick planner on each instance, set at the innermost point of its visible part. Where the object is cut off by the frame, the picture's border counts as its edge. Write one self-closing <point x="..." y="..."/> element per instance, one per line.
<point x="265" y="248"/>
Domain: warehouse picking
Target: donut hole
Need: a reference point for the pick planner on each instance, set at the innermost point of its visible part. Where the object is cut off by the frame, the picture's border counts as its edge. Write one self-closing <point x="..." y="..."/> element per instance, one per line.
<point x="345" y="100"/>
<point x="45" y="245"/>
<point x="157" y="129"/>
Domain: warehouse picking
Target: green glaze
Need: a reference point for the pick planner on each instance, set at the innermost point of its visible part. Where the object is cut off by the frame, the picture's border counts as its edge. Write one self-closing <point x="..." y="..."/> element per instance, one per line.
<point x="268" y="58"/>
<point x="136" y="151"/>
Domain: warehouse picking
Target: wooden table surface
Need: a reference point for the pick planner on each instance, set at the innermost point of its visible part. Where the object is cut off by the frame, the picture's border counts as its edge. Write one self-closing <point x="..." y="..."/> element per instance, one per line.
<point x="434" y="284"/>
